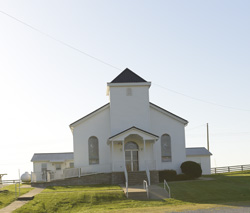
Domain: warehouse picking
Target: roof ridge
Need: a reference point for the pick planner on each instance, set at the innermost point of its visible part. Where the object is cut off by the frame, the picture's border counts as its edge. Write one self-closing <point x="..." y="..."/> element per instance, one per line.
<point x="89" y="114"/>
<point x="48" y="153"/>
<point x="132" y="128"/>
<point x="169" y="112"/>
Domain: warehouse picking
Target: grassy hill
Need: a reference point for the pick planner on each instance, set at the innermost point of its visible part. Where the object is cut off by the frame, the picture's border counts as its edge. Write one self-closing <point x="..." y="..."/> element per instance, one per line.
<point x="8" y="194"/>
<point x="225" y="189"/>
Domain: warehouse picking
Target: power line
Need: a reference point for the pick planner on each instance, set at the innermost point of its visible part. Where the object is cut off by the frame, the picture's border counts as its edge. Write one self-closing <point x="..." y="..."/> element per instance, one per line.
<point x="110" y="65"/>
<point x="202" y="125"/>
<point x="220" y="133"/>
<point x="62" y="42"/>
<point x="201" y="100"/>
<point x="226" y="133"/>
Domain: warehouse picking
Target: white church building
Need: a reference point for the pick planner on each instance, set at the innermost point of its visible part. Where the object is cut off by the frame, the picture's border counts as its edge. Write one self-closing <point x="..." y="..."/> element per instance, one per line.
<point x="131" y="133"/>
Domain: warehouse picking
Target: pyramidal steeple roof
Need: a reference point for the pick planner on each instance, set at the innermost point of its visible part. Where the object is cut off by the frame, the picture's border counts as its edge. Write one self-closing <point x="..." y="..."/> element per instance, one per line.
<point x="127" y="76"/>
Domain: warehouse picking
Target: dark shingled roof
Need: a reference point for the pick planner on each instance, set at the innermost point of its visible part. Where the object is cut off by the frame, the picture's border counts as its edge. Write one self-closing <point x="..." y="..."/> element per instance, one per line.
<point x="128" y="76"/>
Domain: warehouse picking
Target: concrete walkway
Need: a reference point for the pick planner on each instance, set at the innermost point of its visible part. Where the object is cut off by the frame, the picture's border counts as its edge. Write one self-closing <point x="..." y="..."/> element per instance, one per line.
<point x="24" y="199"/>
<point x="137" y="192"/>
<point x="157" y="193"/>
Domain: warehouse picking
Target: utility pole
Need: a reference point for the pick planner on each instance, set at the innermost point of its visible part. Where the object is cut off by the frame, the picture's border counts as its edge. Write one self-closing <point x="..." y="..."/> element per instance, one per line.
<point x="207" y="138"/>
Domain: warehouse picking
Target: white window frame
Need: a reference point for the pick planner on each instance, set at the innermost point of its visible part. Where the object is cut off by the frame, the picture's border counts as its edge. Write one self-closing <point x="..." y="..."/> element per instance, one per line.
<point x="166" y="157"/>
<point x="93" y="159"/>
<point x="58" y="166"/>
<point x="44" y="167"/>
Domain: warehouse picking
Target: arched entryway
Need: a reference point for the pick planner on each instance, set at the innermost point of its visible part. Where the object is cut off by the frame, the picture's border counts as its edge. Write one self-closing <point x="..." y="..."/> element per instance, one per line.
<point x="131" y="156"/>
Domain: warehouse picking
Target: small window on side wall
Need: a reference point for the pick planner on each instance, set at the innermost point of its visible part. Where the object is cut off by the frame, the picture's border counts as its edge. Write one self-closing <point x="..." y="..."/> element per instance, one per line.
<point x="58" y="166"/>
<point x="44" y="167"/>
<point x="129" y="91"/>
<point x="93" y="150"/>
<point x="166" y="154"/>
<point x="71" y="165"/>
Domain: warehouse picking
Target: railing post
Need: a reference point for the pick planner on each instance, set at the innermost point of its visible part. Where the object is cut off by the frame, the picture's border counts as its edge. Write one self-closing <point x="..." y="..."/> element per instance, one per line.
<point x="228" y="169"/>
<point x="166" y="184"/>
<point x="215" y="170"/>
<point x="242" y="168"/>
<point x="112" y="144"/>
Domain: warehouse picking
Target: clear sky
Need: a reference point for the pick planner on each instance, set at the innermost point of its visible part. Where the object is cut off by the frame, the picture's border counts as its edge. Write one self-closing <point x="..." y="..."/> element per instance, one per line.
<point x="197" y="48"/>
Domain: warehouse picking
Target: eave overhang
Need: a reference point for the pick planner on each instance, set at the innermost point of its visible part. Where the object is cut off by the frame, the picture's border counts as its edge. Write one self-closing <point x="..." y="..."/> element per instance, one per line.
<point x="154" y="106"/>
<point x="88" y="116"/>
<point x="133" y="130"/>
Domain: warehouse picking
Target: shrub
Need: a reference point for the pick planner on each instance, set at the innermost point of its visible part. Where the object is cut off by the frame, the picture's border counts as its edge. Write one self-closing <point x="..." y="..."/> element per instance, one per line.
<point x="168" y="175"/>
<point x="191" y="169"/>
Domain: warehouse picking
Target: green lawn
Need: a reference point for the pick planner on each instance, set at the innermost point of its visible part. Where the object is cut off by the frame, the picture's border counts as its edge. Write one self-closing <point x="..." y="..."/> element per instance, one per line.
<point x="7" y="197"/>
<point x="233" y="187"/>
<point x="229" y="187"/>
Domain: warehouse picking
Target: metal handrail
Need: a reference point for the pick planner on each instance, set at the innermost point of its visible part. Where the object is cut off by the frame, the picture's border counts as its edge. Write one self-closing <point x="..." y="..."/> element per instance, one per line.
<point x="17" y="194"/>
<point x="145" y="186"/>
<point x="126" y="180"/>
<point x="9" y="181"/>
<point x="16" y="189"/>
<point x="147" y="172"/>
<point x="166" y="184"/>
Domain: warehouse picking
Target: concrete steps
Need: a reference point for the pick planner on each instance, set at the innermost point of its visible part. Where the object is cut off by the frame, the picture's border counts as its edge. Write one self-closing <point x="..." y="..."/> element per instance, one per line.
<point x="25" y="198"/>
<point x="137" y="178"/>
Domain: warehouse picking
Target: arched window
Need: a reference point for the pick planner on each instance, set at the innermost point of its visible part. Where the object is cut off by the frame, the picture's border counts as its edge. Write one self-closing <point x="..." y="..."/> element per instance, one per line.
<point x="131" y="145"/>
<point x="93" y="150"/>
<point x="166" y="155"/>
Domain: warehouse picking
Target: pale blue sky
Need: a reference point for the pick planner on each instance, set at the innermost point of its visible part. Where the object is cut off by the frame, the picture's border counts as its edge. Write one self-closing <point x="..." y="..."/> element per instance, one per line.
<point x="198" y="48"/>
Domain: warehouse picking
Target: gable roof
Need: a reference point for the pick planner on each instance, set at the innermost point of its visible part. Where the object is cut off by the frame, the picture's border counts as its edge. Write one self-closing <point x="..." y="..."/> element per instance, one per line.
<point x="135" y="128"/>
<point x="127" y="76"/>
<point x="72" y="125"/>
<point x="169" y="113"/>
<point x="196" y="151"/>
<point x="88" y="115"/>
<point x="53" y="157"/>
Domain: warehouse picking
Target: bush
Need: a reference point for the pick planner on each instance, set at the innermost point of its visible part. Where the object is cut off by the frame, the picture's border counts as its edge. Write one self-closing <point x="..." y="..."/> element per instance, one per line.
<point x="168" y="175"/>
<point x="191" y="169"/>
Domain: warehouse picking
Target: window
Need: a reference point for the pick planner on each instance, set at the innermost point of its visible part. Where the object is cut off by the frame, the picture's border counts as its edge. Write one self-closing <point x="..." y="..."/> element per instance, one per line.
<point x="129" y="91"/>
<point x="131" y="145"/>
<point x="58" y="166"/>
<point x="166" y="155"/>
<point x="93" y="151"/>
<point x="71" y="165"/>
<point x="44" y="167"/>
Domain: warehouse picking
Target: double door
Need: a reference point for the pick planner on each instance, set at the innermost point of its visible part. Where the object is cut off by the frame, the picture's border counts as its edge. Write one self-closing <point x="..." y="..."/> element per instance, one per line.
<point x="131" y="158"/>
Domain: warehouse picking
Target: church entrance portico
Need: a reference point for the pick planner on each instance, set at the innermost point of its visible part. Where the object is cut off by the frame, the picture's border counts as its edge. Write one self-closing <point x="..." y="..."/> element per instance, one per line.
<point x="131" y="157"/>
<point x="132" y="150"/>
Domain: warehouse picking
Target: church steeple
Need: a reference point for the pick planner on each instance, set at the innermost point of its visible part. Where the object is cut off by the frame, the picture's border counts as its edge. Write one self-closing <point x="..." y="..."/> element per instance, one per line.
<point x="128" y="76"/>
<point x="129" y="102"/>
